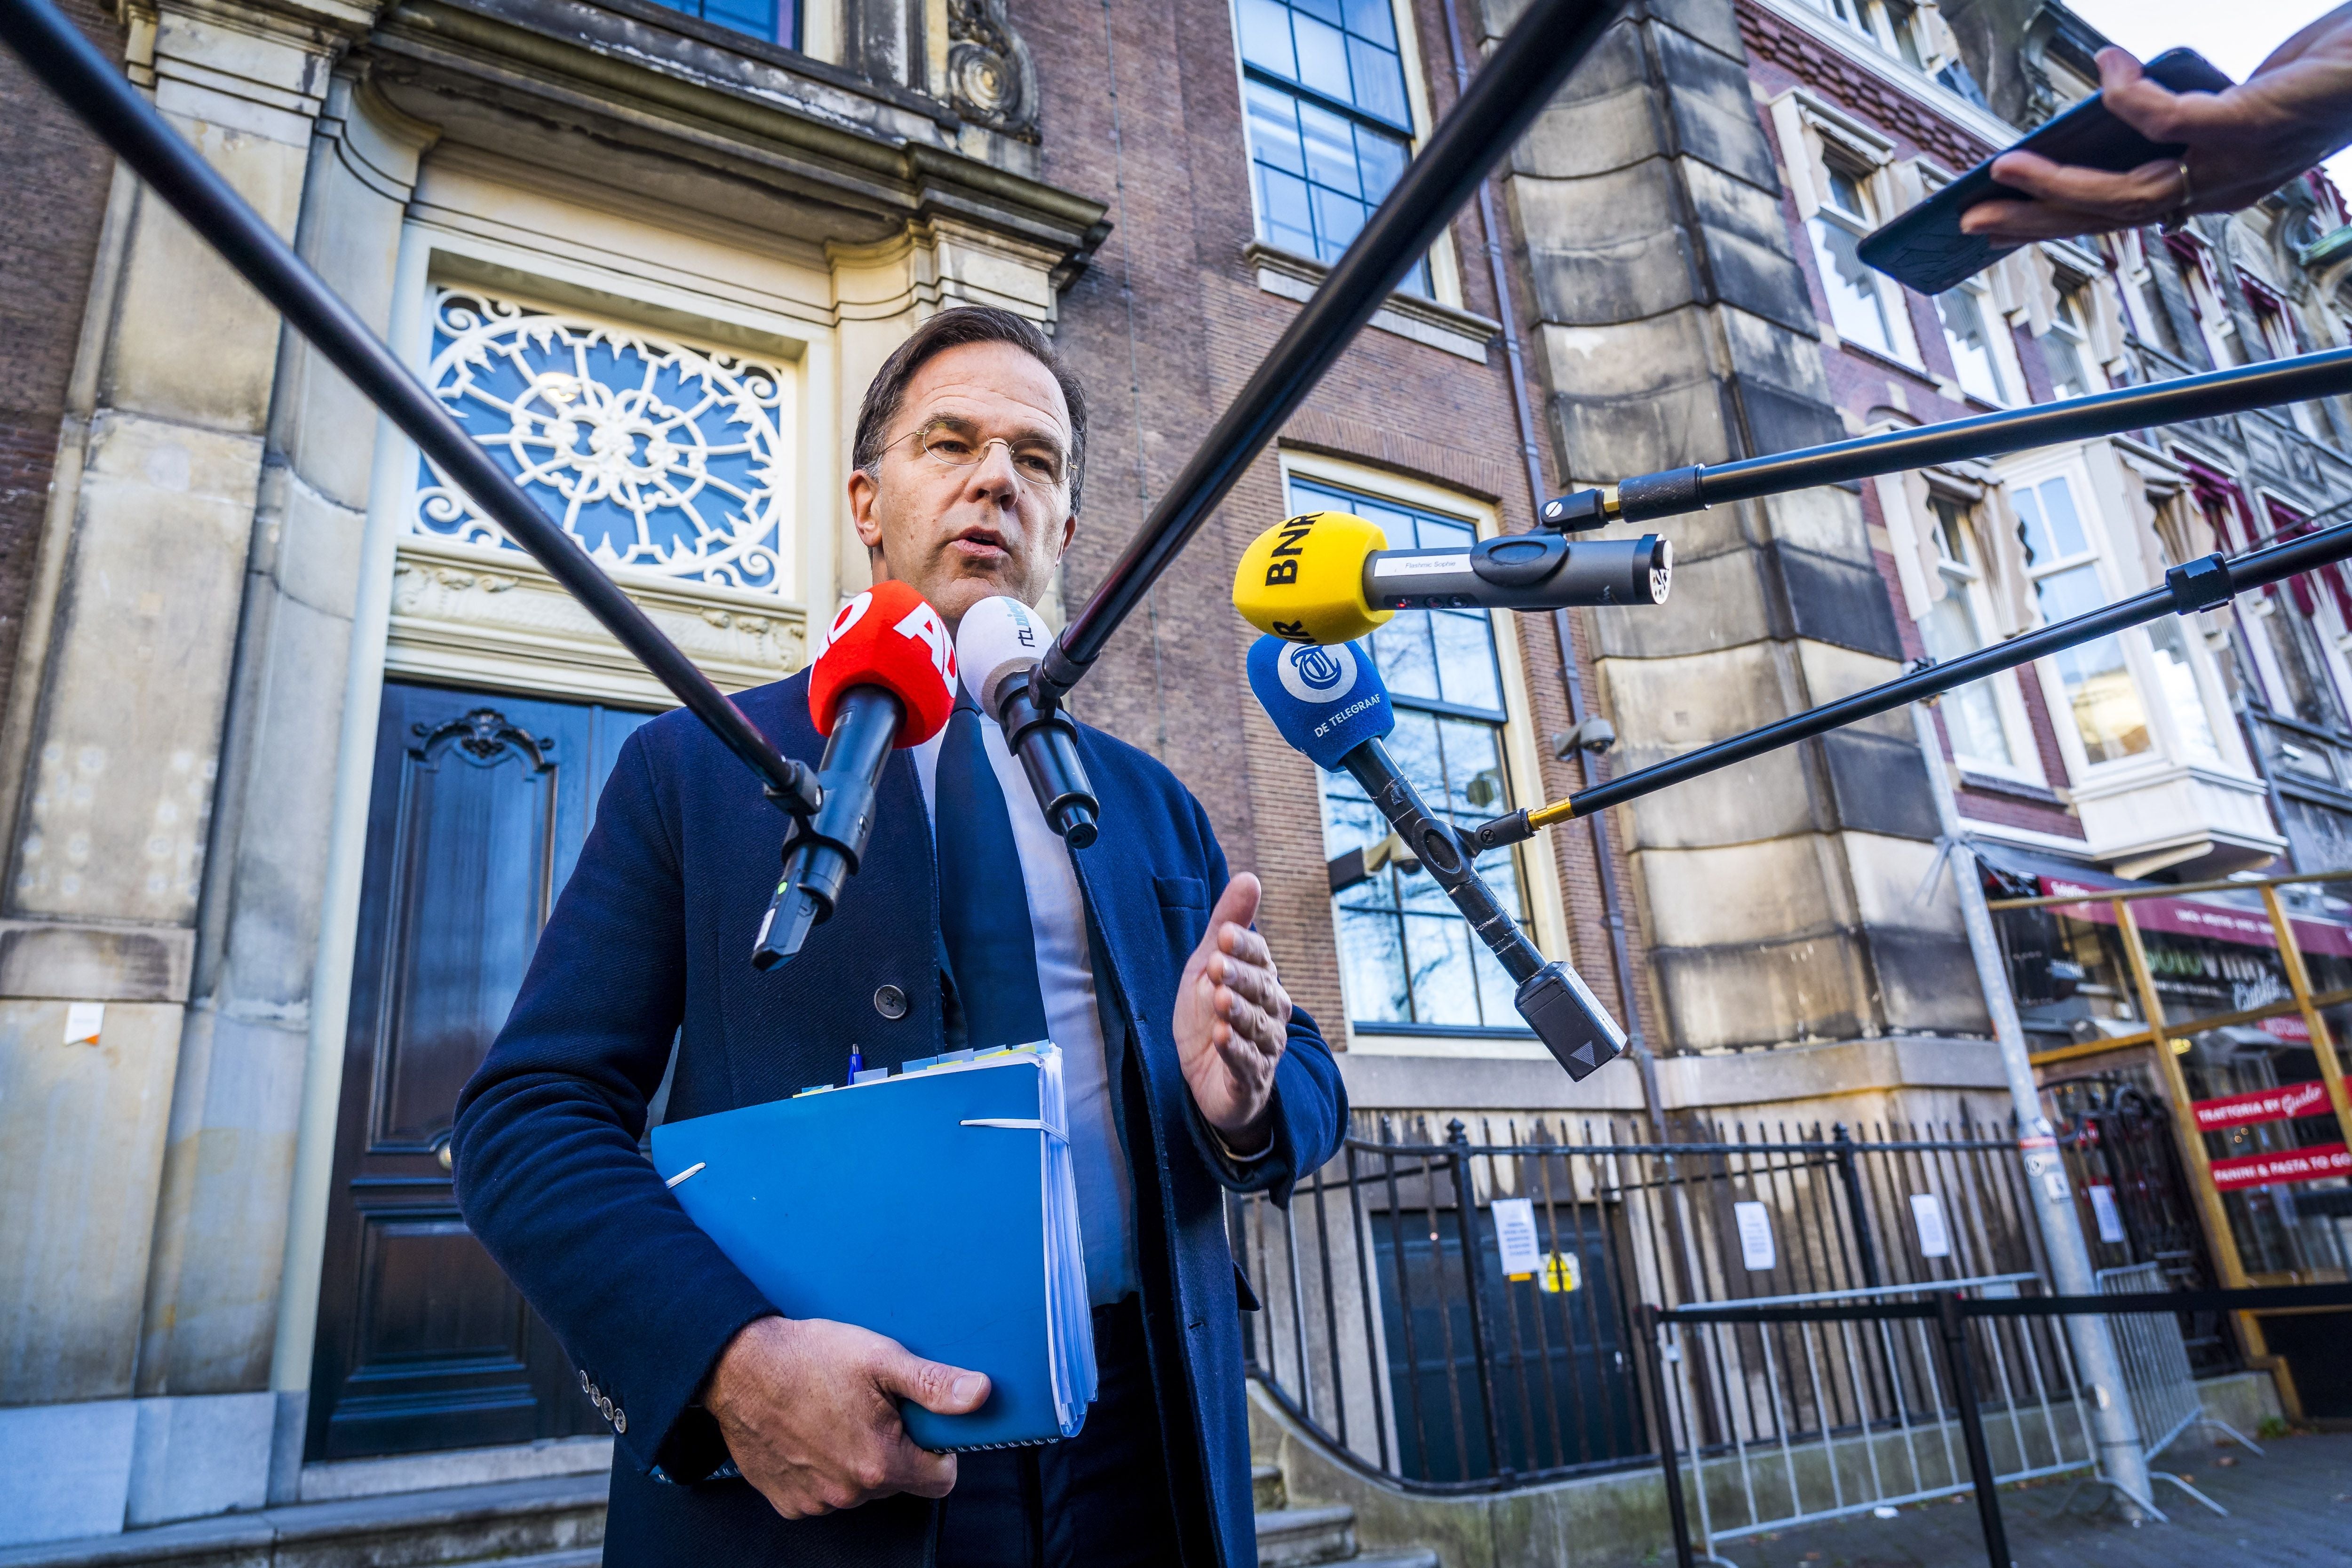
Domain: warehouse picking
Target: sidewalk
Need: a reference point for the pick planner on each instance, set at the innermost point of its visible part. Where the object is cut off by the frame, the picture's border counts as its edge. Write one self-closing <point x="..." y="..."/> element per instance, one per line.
<point x="2289" y="1509"/>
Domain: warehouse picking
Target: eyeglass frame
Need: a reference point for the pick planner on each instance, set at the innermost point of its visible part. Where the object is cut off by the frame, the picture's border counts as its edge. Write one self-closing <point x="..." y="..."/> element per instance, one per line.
<point x="964" y="427"/>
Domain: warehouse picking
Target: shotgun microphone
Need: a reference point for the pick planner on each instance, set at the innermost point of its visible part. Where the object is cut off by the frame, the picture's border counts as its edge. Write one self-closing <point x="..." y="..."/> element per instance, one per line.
<point x="1329" y="702"/>
<point x="998" y="644"/>
<point x="884" y="678"/>
<point x="1329" y="576"/>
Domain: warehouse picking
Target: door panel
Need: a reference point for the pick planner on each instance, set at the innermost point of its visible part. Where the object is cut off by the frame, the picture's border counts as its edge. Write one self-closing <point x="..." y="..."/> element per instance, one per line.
<point x="479" y="806"/>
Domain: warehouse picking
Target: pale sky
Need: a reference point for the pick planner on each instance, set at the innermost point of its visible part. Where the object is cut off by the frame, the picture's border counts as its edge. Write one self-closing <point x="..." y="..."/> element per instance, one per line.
<point x="2235" y="35"/>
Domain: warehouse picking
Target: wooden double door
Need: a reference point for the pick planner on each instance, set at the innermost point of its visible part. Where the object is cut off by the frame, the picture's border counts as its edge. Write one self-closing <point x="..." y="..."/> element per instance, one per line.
<point x="481" y="802"/>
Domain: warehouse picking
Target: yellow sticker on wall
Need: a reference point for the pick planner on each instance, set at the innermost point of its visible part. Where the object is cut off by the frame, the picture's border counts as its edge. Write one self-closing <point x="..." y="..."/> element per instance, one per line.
<point x="1561" y="1272"/>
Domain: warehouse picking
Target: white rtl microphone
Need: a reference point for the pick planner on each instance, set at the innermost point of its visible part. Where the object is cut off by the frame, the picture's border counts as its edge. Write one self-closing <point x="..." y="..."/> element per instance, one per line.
<point x="998" y="643"/>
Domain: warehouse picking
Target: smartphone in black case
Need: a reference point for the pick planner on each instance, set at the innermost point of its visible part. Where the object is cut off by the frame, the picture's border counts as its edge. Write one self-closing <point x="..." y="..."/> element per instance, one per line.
<point x="1925" y="247"/>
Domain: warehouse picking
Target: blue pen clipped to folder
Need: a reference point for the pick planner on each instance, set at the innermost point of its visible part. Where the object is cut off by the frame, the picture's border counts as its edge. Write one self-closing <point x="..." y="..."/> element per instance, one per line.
<point x="936" y="1206"/>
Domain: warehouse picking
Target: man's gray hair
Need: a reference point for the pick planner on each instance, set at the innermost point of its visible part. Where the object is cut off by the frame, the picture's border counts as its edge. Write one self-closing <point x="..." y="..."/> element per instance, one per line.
<point x="953" y="329"/>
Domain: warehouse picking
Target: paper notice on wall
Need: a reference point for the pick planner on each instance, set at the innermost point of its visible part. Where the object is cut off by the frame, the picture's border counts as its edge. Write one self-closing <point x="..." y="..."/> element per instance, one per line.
<point x="1755" y="1222"/>
<point x="1515" y="1237"/>
<point x="2103" y="1210"/>
<point x="1927" y="1218"/>
<point x="83" y="1022"/>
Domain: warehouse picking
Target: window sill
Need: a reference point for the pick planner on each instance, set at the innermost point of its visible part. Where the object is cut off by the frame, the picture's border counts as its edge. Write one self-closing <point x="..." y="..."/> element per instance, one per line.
<point x="2015" y="789"/>
<point x="1293" y="276"/>
<point x="1444" y="1031"/>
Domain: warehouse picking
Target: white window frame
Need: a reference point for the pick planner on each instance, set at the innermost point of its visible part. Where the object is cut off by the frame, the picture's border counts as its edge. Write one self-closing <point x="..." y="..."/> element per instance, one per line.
<point x="2070" y="290"/>
<point x="1966" y="578"/>
<point x="1814" y="135"/>
<point x="2166" y="750"/>
<point x="2006" y="371"/>
<point x="1444" y="266"/>
<point x="1522" y="756"/>
<point x="1875" y="20"/>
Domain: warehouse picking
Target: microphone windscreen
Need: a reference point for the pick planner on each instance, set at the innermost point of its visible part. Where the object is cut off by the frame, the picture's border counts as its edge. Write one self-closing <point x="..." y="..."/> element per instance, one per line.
<point x="1000" y="638"/>
<point x="890" y="637"/>
<point x="1327" y="701"/>
<point x="1303" y="580"/>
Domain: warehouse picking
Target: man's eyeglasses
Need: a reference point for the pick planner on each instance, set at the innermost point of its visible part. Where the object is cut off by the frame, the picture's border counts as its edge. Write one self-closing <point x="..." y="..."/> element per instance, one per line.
<point x="1038" y="463"/>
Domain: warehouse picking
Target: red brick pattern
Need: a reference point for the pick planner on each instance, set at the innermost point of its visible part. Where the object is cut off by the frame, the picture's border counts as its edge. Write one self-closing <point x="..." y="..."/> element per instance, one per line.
<point x="56" y="178"/>
<point x="1770" y="39"/>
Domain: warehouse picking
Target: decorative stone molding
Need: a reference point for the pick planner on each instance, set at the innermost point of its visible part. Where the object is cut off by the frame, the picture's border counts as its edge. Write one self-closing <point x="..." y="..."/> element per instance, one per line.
<point x="989" y="78"/>
<point x="652" y="454"/>
<point x="1296" y="276"/>
<point x="473" y="614"/>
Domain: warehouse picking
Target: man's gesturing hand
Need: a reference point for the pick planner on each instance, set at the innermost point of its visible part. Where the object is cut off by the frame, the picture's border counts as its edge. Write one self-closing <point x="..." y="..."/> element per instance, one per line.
<point x="1232" y="1019"/>
<point x="808" y="1409"/>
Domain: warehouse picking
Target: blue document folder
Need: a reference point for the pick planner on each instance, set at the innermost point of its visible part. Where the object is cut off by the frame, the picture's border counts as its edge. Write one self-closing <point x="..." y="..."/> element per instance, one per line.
<point x="936" y="1206"/>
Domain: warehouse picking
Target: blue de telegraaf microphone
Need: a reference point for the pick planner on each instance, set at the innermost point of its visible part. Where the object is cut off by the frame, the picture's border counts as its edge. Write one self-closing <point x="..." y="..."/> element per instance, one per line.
<point x="1329" y="704"/>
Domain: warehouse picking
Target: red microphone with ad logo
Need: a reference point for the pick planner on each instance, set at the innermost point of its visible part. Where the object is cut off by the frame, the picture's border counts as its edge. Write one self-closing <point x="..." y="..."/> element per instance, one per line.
<point x="884" y="678"/>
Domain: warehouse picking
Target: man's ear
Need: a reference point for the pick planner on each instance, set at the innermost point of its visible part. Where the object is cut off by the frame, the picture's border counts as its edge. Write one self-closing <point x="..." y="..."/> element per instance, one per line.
<point x="1069" y="532"/>
<point x="863" y="493"/>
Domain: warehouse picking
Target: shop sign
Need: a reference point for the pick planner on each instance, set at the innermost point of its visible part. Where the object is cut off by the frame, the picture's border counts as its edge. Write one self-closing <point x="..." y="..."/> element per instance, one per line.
<point x="2189" y="917"/>
<point x="2290" y="1165"/>
<point x="2262" y="1105"/>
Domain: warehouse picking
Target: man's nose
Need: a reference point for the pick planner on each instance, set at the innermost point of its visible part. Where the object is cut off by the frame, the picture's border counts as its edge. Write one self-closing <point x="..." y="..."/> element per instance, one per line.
<point x="994" y="476"/>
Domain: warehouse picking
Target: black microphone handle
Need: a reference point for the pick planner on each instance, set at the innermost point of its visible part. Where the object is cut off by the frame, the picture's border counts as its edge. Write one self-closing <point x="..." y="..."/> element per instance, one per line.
<point x="1551" y="997"/>
<point x="1046" y="741"/>
<point x="823" y="852"/>
<point x="1539" y="571"/>
<point x="1433" y="842"/>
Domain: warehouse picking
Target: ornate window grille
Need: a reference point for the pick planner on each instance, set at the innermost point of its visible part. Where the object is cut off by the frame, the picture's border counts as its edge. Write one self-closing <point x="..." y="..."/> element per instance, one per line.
<point x="655" y="455"/>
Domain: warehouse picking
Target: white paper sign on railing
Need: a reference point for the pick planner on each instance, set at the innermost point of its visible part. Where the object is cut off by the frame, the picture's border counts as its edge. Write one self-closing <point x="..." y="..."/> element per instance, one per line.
<point x="1515" y="1237"/>
<point x="2103" y="1210"/>
<point x="1755" y="1222"/>
<point x="1927" y="1218"/>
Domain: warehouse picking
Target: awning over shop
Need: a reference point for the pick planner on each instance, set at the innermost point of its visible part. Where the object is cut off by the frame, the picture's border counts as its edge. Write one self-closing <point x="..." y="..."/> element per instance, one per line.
<point x="2219" y="917"/>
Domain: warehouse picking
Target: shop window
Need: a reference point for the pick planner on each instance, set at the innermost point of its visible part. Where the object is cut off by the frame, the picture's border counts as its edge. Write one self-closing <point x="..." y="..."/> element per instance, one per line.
<point x="1410" y="961"/>
<point x="1331" y="122"/>
<point x="1954" y="626"/>
<point x="1969" y="333"/>
<point x="1862" y="304"/>
<point x="2106" y="706"/>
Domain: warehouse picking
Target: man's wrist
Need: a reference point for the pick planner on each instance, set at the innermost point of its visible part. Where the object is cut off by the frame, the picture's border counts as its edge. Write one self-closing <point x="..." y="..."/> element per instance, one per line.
<point x="1249" y="1143"/>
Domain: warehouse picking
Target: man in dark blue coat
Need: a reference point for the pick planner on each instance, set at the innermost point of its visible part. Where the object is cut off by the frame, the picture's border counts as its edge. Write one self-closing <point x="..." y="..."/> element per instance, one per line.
<point x="747" y="1439"/>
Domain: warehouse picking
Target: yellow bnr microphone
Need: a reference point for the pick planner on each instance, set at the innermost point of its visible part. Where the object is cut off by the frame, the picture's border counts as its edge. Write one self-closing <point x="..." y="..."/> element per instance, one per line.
<point x="1330" y="577"/>
<point x="1303" y="581"/>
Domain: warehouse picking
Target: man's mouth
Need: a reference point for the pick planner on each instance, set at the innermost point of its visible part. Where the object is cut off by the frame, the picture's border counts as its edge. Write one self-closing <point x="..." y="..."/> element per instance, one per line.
<point x="979" y="544"/>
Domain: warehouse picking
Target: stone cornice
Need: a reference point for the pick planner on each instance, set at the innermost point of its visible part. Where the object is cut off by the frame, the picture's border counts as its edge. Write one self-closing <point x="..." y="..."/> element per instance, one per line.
<point x="751" y="110"/>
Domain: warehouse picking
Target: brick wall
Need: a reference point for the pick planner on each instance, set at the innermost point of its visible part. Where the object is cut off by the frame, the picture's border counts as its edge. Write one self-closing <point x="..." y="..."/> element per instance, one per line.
<point x="55" y="174"/>
<point x="1165" y="329"/>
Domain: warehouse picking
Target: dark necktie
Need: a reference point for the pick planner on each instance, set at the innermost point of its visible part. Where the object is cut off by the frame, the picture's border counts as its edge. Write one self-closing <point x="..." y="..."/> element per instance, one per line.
<point x="991" y="952"/>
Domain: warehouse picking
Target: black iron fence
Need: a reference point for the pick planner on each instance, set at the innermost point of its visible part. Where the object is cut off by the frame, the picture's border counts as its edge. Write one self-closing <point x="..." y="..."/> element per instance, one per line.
<point x="1460" y="1316"/>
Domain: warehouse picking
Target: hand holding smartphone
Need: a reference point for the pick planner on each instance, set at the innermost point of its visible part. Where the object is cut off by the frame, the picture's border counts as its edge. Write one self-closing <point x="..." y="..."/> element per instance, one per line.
<point x="1925" y="248"/>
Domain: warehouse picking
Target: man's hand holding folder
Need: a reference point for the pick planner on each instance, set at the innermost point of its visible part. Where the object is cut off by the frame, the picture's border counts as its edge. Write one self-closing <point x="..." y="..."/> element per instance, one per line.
<point x="809" y="1412"/>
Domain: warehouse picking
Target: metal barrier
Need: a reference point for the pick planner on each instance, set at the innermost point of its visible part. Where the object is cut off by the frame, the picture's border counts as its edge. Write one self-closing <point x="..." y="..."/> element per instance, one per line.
<point x="1837" y="1419"/>
<point x="2157" y="1374"/>
<point x="1998" y="1374"/>
<point x="1452" y="1316"/>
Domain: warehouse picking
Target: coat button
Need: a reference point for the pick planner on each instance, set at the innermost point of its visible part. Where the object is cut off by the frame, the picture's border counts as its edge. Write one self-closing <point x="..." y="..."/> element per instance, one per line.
<point x="890" y="1002"/>
<point x="620" y="1421"/>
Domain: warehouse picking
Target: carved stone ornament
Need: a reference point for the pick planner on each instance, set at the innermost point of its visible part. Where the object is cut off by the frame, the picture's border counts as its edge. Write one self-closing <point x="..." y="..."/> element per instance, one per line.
<point x="485" y="735"/>
<point x="654" y="455"/>
<point x="989" y="78"/>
